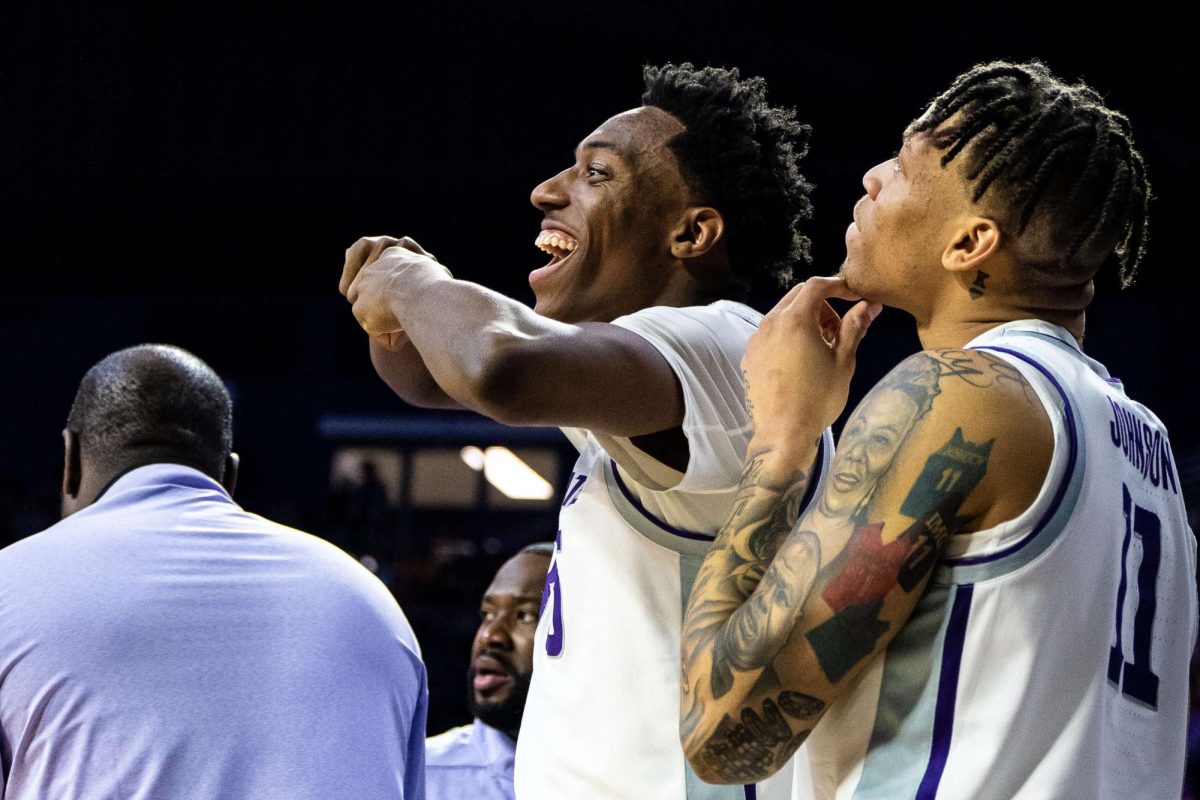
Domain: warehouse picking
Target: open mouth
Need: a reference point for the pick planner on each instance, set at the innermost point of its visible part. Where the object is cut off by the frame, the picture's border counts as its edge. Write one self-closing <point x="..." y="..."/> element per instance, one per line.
<point x="845" y="481"/>
<point x="559" y="244"/>
<point x="489" y="675"/>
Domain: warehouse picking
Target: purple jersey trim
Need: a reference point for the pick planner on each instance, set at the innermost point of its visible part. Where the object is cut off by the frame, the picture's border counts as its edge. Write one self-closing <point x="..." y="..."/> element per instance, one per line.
<point x="1051" y="337"/>
<point x="645" y="512"/>
<point x="1072" y="453"/>
<point x="641" y="509"/>
<point x="947" y="693"/>
<point x="811" y="491"/>
<point x="751" y="791"/>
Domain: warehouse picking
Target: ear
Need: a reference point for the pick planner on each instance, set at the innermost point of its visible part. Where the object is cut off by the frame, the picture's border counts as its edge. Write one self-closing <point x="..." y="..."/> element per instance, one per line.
<point x="697" y="232"/>
<point x="72" y="466"/>
<point x="229" y="478"/>
<point x="974" y="241"/>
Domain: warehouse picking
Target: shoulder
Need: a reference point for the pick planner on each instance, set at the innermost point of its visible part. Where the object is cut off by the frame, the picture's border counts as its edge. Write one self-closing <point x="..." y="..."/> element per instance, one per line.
<point x="941" y="380"/>
<point x="698" y="342"/>
<point x="339" y="581"/>
<point x="969" y="412"/>
<point x="64" y="542"/>
<point x="20" y="557"/>
<point x="723" y="319"/>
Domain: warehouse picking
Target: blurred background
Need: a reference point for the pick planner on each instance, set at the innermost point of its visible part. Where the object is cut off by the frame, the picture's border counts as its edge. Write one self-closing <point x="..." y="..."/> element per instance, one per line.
<point x="193" y="176"/>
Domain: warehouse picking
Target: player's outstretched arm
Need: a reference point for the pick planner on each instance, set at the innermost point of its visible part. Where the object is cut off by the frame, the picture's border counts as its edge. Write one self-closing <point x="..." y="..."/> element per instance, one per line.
<point x="783" y="617"/>
<point x="459" y="343"/>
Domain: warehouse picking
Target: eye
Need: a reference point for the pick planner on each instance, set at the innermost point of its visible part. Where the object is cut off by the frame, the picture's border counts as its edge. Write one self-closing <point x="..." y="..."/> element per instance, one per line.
<point x="485" y="614"/>
<point x="593" y="171"/>
<point x="527" y="616"/>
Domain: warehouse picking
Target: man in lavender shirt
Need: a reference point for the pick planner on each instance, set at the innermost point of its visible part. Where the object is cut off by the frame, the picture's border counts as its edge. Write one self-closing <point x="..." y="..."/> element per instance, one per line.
<point x="476" y="761"/>
<point x="160" y="642"/>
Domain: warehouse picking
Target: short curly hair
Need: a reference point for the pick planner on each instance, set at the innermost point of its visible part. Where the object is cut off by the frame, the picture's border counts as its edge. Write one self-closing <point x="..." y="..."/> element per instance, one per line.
<point x="741" y="156"/>
<point x="156" y="402"/>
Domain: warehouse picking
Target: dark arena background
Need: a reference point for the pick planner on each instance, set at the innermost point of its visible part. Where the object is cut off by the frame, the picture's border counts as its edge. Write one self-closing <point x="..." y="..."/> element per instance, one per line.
<point x="194" y="176"/>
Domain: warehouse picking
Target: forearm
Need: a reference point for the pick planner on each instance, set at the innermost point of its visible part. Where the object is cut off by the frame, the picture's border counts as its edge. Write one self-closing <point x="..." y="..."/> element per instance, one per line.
<point x="465" y="335"/>
<point x="744" y="605"/>
<point x="405" y="373"/>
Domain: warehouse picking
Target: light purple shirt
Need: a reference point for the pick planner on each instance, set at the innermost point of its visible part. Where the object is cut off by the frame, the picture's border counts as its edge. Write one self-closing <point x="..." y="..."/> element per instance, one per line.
<point x="474" y="762"/>
<point x="164" y="643"/>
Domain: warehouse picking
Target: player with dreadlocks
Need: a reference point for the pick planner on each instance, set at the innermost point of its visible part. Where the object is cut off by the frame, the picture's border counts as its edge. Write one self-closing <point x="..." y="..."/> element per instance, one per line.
<point x="667" y="213"/>
<point x="993" y="595"/>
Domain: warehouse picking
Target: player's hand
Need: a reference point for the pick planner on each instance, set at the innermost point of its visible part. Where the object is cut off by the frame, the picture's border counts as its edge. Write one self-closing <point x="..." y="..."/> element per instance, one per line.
<point x="366" y="251"/>
<point x="799" y="364"/>
<point x="378" y="272"/>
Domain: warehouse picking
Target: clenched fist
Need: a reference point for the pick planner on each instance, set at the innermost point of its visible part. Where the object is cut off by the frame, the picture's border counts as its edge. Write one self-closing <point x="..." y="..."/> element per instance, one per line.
<point x="374" y="281"/>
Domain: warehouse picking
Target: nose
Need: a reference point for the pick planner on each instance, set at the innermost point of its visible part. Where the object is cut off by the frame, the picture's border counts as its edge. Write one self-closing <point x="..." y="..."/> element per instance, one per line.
<point x="873" y="179"/>
<point x="856" y="449"/>
<point x="550" y="193"/>
<point x="496" y="633"/>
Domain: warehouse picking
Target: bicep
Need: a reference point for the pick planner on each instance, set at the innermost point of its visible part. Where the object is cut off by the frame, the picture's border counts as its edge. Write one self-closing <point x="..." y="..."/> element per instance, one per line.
<point x="405" y="373"/>
<point x="918" y="462"/>
<point x="595" y="376"/>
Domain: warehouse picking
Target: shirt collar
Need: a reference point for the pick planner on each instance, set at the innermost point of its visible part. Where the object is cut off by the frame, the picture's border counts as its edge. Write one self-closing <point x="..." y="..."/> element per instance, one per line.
<point x="497" y="747"/>
<point x="162" y="475"/>
<point x="1036" y="326"/>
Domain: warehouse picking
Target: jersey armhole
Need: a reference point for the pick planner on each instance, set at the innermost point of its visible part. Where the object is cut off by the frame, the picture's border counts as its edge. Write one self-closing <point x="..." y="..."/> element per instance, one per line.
<point x="989" y="553"/>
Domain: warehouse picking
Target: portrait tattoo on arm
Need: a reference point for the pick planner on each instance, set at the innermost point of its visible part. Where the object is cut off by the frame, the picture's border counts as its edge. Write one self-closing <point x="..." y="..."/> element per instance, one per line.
<point x="869" y="568"/>
<point x="750" y="594"/>
<point x="763" y="513"/>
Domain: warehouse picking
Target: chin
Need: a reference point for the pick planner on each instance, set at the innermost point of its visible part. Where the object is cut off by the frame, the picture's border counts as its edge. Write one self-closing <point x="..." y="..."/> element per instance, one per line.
<point x="545" y="305"/>
<point x="494" y="701"/>
<point x="849" y="274"/>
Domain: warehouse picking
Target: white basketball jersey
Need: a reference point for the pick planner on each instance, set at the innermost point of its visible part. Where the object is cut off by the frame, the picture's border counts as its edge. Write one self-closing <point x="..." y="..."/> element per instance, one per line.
<point x="602" y="719"/>
<point x="1049" y="655"/>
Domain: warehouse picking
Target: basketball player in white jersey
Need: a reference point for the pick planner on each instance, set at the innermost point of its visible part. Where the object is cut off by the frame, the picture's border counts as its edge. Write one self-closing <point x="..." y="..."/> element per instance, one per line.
<point x="634" y="349"/>
<point x="994" y="594"/>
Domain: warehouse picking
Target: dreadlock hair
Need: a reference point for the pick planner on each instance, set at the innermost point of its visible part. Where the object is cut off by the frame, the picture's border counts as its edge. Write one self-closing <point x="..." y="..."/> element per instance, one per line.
<point x="739" y="155"/>
<point x="1055" y="155"/>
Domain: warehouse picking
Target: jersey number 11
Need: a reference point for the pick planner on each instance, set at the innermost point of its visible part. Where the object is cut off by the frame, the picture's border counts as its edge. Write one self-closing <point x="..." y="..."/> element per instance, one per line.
<point x="1134" y="677"/>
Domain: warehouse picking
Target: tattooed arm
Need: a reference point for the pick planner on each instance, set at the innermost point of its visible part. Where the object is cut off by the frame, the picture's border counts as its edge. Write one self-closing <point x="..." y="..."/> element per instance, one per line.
<point x="782" y="618"/>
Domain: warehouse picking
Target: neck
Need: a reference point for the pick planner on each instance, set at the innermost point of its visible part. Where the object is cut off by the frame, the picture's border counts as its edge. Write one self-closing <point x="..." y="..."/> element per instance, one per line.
<point x="953" y="328"/>
<point x="682" y="289"/>
<point x="98" y="477"/>
<point x="959" y="312"/>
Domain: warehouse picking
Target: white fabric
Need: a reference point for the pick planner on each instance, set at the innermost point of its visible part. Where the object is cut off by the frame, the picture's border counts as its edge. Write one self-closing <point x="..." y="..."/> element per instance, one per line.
<point x="1044" y="704"/>
<point x="602" y="720"/>
<point x="164" y="643"/>
<point x="703" y="346"/>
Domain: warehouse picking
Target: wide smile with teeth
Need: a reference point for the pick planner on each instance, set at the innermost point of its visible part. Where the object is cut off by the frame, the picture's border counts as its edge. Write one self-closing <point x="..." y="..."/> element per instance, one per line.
<point x="558" y="244"/>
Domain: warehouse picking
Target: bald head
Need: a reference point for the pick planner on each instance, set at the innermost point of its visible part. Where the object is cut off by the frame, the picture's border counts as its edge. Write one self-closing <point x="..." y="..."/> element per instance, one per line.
<point x="147" y="404"/>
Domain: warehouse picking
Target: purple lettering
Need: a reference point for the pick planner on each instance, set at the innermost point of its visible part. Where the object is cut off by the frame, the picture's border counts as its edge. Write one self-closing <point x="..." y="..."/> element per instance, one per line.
<point x="1114" y="427"/>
